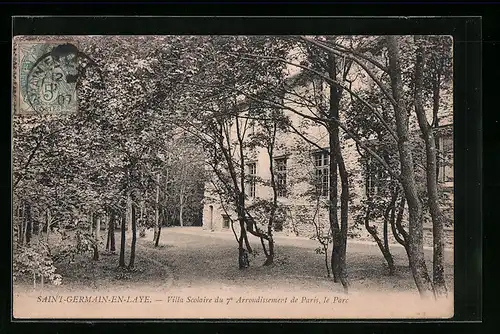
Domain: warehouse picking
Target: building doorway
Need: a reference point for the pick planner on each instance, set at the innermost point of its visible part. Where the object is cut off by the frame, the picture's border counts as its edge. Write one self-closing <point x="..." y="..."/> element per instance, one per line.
<point x="225" y="221"/>
<point x="211" y="217"/>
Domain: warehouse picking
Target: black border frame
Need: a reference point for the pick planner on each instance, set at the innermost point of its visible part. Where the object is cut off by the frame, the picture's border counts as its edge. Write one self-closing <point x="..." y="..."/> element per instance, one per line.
<point x="467" y="114"/>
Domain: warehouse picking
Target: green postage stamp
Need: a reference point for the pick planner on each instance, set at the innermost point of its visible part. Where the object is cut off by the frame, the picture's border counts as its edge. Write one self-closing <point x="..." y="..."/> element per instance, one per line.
<point x="44" y="79"/>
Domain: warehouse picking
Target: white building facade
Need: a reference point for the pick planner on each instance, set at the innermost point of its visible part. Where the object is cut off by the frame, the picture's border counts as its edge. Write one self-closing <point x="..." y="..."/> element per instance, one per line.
<point x="297" y="162"/>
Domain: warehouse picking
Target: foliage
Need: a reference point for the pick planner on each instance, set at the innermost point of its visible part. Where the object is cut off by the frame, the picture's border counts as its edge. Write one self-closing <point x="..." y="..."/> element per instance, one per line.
<point x="35" y="260"/>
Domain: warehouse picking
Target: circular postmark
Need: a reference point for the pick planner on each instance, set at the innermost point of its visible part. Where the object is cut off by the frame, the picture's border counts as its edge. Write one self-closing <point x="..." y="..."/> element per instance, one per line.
<point x="45" y="79"/>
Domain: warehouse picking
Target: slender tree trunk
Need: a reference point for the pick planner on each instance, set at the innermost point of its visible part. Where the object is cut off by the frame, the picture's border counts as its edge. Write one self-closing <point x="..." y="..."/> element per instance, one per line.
<point x="431" y="168"/>
<point x="112" y="232"/>
<point x="181" y="209"/>
<point x="333" y="215"/>
<point x="383" y="246"/>
<point x="32" y="228"/>
<point x="96" y="252"/>
<point x="20" y="236"/>
<point x="339" y="233"/>
<point x="243" y="261"/>
<point x="163" y="220"/>
<point x="436" y="97"/>
<point x="98" y="229"/>
<point x="22" y="223"/>
<point x="91" y="222"/>
<point x="417" y="260"/>
<point x="95" y="246"/>
<point x="157" y="208"/>
<point x="108" y="238"/>
<point x="386" y="223"/>
<point x="385" y="251"/>
<point x="400" y="233"/>
<point x="143" y="211"/>
<point x="129" y="212"/>
<point x="108" y="231"/>
<point x="28" y="223"/>
<point x="122" y="240"/>
<point x="243" y="253"/>
<point x="274" y="204"/>
<point x="157" y="241"/>
<point x="134" y="239"/>
<point x="48" y="225"/>
<point x="344" y="211"/>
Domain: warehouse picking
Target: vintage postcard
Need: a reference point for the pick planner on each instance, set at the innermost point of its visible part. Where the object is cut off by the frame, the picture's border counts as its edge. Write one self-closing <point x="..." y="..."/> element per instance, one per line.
<point x="232" y="177"/>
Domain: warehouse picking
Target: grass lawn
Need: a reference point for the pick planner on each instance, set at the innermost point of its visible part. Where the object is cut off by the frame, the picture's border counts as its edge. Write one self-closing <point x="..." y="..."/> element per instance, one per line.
<point x="194" y="262"/>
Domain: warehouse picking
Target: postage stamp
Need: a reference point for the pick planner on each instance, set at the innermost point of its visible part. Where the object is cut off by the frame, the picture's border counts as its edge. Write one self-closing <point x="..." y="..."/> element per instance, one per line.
<point x="45" y="78"/>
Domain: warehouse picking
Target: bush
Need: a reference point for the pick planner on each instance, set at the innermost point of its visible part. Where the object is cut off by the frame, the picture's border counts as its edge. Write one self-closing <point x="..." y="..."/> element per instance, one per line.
<point x="35" y="259"/>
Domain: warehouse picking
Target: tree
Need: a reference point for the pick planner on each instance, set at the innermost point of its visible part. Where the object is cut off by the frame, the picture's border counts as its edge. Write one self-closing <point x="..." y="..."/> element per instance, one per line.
<point x="221" y="124"/>
<point x="110" y="243"/>
<point x="431" y="155"/>
<point x="400" y="103"/>
<point x="417" y="260"/>
<point x="327" y="116"/>
<point x="186" y="174"/>
<point x="270" y="123"/>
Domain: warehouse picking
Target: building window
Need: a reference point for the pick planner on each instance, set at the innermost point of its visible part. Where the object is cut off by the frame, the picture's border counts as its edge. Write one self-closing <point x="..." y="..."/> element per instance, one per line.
<point x="322" y="172"/>
<point x="280" y="172"/>
<point x="225" y="221"/>
<point x="445" y="158"/>
<point x="252" y="175"/>
<point x="376" y="177"/>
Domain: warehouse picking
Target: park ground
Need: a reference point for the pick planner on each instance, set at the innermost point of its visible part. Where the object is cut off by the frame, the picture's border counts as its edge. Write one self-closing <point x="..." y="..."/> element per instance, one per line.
<point x="190" y="260"/>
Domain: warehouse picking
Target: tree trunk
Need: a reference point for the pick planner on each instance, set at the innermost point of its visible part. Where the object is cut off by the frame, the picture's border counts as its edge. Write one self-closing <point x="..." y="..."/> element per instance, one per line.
<point x="95" y="246"/>
<point x="122" y="241"/>
<point x="108" y="238"/>
<point x="243" y="261"/>
<point x="110" y="243"/>
<point x="32" y="228"/>
<point x="134" y="239"/>
<point x="436" y="96"/>
<point x="386" y="223"/>
<point x="22" y="223"/>
<point x="112" y="232"/>
<point x="385" y="250"/>
<point x="242" y="217"/>
<point x="339" y="233"/>
<point x="157" y="241"/>
<point x="274" y="205"/>
<point x="432" y="189"/>
<point x="129" y="212"/>
<point x="383" y="246"/>
<point x="48" y="225"/>
<point x="344" y="211"/>
<point x="96" y="252"/>
<point x="157" y="208"/>
<point x="404" y="238"/>
<point x="108" y="233"/>
<point x="142" y="211"/>
<point x="28" y="223"/>
<point x="181" y="210"/>
<point x="98" y="230"/>
<point x="417" y="260"/>
<point x="91" y="222"/>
